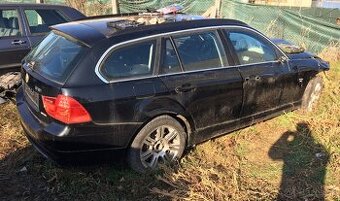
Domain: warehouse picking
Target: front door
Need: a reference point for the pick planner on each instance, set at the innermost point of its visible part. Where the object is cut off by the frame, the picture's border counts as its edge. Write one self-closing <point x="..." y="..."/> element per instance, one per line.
<point x="261" y="92"/>
<point x="14" y="45"/>
<point x="294" y="81"/>
<point x="196" y="72"/>
<point x="259" y="68"/>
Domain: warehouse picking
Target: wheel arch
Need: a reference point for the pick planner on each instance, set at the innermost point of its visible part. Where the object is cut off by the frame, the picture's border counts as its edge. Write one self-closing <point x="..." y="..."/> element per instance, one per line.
<point x="150" y="110"/>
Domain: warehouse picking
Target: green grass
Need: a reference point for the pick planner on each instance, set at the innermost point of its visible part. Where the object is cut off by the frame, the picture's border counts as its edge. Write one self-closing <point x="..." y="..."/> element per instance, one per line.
<point x="256" y="163"/>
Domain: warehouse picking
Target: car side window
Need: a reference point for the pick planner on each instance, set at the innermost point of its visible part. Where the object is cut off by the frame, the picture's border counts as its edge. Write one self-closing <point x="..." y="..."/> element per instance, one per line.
<point x="9" y="23"/>
<point x="200" y="51"/>
<point x="130" y="61"/>
<point x="251" y="49"/>
<point x="40" y="19"/>
<point x="170" y="62"/>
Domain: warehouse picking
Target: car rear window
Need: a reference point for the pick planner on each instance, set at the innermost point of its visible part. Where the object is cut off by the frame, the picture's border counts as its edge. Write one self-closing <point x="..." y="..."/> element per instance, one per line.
<point x="55" y="57"/>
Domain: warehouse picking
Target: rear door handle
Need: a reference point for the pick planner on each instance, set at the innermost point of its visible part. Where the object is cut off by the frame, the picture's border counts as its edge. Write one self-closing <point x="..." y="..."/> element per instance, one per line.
<point x="185" y="88"/>
<point x="18" y="42"/>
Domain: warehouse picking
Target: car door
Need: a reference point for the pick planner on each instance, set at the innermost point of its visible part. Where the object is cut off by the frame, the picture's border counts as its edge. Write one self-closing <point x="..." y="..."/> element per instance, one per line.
<point x="260" y="68"/>
<point x="38" y="21"/>
<point x="195" y="70"/>
<point x="14" y="44"/>
<point x="294" y="81"/>
<point x="128" y="69"/>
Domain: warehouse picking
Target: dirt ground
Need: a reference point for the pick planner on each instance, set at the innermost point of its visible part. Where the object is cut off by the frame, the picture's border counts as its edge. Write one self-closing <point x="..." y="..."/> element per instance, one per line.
<point x="292" y="157"/>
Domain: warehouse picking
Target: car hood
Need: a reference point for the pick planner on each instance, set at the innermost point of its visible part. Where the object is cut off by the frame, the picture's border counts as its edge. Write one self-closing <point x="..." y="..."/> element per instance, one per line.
<point x="295" y="53"/>
<point x="302" y="55"/>
<point x="311" y="59"/>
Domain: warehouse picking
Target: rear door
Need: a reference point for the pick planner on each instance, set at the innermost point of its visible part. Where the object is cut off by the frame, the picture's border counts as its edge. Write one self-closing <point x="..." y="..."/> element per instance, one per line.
<point x="259" y="66"/>
<point x="197" y="73"/>
<point x="14" y="44"/>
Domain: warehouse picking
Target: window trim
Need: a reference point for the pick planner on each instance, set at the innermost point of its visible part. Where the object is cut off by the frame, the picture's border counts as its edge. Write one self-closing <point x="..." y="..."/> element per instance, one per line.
<point x="169" y="34"/>
<point x="163" y="53"/>
<point x="227" y="48"/>
<point x="152" y="54"/>
<point x="22" y="34"/>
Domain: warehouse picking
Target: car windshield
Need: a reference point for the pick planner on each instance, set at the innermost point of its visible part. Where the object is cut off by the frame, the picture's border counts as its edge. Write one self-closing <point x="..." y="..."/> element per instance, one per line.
<point x="55" y="57"/>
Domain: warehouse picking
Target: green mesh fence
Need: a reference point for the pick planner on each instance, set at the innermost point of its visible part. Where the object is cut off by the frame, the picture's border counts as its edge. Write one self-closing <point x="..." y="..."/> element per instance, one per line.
<point x="190" y="6"/>
<point x="312" y="28"/>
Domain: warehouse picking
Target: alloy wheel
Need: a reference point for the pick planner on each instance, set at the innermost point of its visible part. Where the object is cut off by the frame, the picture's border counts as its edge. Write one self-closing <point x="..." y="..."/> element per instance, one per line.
<point x="314" y="96"/>
<point x="161" y="145"/>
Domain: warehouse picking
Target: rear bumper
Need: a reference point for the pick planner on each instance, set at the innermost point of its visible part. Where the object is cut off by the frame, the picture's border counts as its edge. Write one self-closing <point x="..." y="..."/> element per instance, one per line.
<point x="58" y="141"/>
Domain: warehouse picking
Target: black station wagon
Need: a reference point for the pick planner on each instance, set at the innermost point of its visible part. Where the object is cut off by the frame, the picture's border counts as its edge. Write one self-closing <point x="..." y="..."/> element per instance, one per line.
<point x="108" y="84"/>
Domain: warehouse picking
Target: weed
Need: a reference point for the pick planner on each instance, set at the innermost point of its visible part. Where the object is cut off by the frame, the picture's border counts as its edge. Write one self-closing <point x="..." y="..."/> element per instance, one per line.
<point x="249" y="164"/>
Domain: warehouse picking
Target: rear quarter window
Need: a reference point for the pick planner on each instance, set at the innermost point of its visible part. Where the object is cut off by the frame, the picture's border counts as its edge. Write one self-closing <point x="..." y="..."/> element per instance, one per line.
<point x="133" y="60"/>
<point x="55" y="57"/>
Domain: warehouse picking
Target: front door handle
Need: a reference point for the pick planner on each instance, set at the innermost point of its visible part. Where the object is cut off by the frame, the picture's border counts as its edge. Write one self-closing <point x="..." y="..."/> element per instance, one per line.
<point x="18" y="42"/>
<point x="185" y="88"/>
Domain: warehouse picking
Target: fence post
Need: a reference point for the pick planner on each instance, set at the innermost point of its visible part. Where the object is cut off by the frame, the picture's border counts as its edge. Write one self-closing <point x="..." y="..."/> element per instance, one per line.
<point x="218" y="4"/>
<point x="115" y="6"/>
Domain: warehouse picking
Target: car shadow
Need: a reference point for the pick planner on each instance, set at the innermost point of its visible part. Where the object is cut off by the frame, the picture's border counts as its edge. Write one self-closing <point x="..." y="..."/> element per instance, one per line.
<point x="304" y="164"/>
<point x="27" y="175"/>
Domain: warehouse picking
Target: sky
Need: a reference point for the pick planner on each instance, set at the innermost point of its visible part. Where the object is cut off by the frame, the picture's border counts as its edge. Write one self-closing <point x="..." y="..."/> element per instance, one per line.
<point x="331" y="4"/>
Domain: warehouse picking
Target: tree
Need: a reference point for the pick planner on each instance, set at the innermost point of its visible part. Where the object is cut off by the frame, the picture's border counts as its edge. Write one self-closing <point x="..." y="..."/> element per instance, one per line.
<point x="77" y="4"/>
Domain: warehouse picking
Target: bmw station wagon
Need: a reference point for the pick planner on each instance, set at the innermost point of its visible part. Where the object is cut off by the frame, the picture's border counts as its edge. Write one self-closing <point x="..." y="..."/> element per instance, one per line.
<point x="105" y="84"/>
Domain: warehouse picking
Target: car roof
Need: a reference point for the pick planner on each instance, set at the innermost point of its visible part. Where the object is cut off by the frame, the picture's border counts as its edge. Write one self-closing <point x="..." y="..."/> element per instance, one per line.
<point x="90" y="31"/>
<point x="40" y="5"/>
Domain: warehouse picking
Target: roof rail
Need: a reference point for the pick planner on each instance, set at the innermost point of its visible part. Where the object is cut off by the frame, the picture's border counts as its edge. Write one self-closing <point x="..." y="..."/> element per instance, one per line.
<point x="147" y="13"/>
<point x="112" y="15"/>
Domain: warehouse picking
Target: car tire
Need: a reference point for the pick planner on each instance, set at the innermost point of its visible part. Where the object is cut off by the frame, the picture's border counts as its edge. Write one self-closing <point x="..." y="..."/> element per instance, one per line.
<point x="312" y="94"/>
<point x="163" y="139"/>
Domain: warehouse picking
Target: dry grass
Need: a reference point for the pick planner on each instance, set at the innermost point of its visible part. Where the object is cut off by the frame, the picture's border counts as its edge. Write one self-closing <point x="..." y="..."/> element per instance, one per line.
<point x="332" y="52"/>
<point x="11" y="135"/>
<point x="256" y="163"/>
<point x="238" y="166"/>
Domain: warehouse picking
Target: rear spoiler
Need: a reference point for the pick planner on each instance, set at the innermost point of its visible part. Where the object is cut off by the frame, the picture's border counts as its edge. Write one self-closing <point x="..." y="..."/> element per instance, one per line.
<point x="78" y="32"/>
<point x="70" y="38"/>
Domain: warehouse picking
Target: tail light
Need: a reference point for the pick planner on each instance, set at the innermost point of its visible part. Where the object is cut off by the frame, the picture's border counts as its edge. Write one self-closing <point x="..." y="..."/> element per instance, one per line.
<point x="65" y="109"/>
